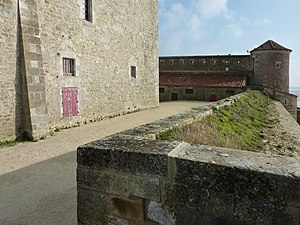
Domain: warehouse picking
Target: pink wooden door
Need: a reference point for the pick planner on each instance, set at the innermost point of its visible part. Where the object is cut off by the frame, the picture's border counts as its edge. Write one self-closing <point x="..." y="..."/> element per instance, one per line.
<point x="70" y="101"/>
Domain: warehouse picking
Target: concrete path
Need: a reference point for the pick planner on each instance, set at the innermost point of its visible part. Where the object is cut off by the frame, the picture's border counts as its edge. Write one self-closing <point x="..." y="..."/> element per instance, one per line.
<point x="38" y="179"/>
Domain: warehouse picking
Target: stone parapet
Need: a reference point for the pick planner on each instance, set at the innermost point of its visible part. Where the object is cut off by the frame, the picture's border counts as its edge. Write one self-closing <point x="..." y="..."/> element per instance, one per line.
<point x="133" y="178"/>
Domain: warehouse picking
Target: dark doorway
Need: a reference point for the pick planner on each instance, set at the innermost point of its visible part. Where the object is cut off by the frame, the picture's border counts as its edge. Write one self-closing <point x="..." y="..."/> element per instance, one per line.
<point x="174" y="97"/>
<point x="213" y="98"/>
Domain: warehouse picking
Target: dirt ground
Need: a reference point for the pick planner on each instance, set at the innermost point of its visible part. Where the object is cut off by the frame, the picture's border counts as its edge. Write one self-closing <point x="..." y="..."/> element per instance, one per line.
<point x="38" y="179"/>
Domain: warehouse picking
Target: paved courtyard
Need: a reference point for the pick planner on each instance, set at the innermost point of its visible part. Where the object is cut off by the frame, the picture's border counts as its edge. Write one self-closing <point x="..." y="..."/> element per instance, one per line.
<point x="38" y="179"/>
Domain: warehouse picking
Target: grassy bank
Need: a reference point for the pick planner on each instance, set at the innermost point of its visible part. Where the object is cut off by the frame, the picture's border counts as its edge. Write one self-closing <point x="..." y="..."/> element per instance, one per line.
<point x="236" y="126"/>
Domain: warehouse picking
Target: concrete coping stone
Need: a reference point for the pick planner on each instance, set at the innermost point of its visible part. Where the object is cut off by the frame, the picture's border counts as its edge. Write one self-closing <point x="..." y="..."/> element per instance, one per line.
<point x="260" y="162"/>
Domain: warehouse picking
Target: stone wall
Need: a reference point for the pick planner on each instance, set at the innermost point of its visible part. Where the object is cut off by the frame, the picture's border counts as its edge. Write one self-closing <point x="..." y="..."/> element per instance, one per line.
<point x="217" y="63"/>
<point x="197" y="93"/>
<point x="37" y="36"/>
<point x="132" y="178"/>
<point x="271" y="69"/>
<point x="122" y="34"/>
<point x="8" y="43"/>
<point x="289" y="101"/>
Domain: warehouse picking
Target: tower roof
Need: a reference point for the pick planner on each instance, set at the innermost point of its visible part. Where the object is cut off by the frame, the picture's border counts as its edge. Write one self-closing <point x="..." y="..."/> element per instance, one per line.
<point x="270" y="45"/>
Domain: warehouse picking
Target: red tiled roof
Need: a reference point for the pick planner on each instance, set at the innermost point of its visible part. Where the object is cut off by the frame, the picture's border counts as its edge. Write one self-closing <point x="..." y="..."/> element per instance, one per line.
<point x="206" y="80"/>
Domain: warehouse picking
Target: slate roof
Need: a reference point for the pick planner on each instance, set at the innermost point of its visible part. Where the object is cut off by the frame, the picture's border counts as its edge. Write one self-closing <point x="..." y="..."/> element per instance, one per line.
<point x="202" y="80"/>
<point x="270" y="45"/>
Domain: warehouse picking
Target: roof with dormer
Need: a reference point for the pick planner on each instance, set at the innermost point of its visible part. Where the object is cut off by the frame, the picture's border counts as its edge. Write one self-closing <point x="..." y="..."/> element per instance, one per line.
<point x="270" y="45"/>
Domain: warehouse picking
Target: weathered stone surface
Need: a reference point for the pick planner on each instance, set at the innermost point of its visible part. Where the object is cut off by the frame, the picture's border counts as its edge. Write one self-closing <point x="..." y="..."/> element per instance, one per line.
<point x="156" y="213"/>
<point x="117" y="221"/>
<point x="8" y="40"/>
<point x="145" y="187"/>
<point x="93" y="206"/>
<point x="103" y="181"/>
<point x="127" y="154"/>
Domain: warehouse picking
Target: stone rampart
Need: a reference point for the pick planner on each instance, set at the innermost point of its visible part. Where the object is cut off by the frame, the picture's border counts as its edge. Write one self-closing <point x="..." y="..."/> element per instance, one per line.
<point x="133" y="178"/>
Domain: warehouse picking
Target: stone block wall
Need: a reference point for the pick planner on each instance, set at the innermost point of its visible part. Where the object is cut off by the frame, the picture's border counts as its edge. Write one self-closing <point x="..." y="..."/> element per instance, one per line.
<point x="8" y="43"/>
<point x="289" y="101"/>
<point x="268" y="73"/>
<point x="218" y="63"/>
<point x="198" y="93"/>
<point x="132" y="178"/>
<point x="122" y="34"/>
<point x="35" y="36"/>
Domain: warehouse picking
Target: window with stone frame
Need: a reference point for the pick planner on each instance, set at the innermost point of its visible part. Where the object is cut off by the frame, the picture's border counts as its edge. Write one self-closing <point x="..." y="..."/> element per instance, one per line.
<point x="87" y="10"/>
<point x="69" y="67"/>
<point x="189" y="91"/>
<point x="278" y="64"/>
<point x="133" y="71"/>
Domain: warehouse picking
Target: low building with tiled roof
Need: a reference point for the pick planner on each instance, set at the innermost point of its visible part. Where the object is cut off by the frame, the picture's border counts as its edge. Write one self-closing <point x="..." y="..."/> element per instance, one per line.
<point x="214" y="77"/>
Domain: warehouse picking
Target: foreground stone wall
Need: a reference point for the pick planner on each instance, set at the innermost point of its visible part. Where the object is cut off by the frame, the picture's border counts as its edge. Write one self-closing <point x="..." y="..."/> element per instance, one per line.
<point x="132" y="178"/>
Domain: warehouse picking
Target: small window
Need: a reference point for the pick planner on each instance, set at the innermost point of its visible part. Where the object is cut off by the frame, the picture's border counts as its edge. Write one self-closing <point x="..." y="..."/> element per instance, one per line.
<point x="161" y="90"/>
<point x="214" y="61"/>
<point x="69" y="67"/>
<point x="162" y="62"/>
<point x="87" y="10"/>
<point x="203" y="61"/>
<point x="238" y="61"/>
<point x="192" y="61"/>
<point x="181" y="61"/>
<point x="226" y="61"/>
<point x="227" y="69"/>
<point x="278" y="64"/>
<point x="133" y="71"/>
<point x="189" y="91"/>
<point x="230" y="92"/>
<point x="171" y="61"/>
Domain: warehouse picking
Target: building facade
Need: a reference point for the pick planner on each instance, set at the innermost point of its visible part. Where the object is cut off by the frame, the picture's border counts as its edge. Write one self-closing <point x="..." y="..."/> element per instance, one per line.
<point x="66" y="62"/>
<point x="210" y="78"/>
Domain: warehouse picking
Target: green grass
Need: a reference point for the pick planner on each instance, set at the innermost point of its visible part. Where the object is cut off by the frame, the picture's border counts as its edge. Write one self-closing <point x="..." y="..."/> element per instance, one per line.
<point x="7" y="143"/>
<point x="236" y="126"/>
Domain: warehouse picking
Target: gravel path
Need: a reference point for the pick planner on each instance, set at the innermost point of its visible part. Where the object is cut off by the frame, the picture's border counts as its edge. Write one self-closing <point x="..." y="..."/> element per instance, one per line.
<point x="38" y="179"/>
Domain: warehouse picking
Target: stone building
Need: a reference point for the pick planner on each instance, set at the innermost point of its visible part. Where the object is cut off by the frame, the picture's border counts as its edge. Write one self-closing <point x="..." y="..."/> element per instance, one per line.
<point x="66" y="62"/>
<point x="210" y="78"/>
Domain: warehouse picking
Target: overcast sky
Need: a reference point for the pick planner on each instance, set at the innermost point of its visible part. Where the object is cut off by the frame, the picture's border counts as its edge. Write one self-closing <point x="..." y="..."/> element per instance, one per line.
<point x="205" y="27"/>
